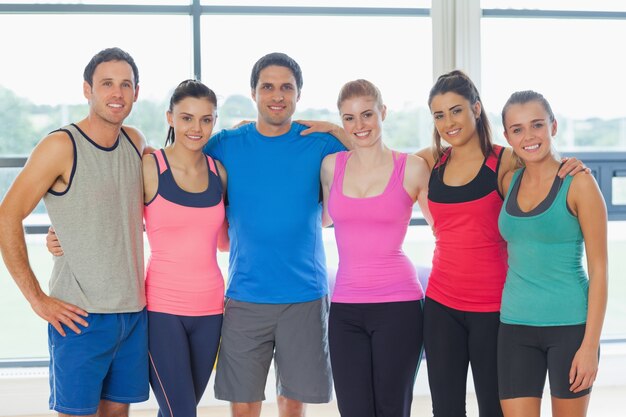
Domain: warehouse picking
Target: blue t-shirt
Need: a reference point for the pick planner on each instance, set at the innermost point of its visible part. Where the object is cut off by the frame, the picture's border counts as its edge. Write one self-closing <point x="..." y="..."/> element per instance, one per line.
<point x="274" y="212"/>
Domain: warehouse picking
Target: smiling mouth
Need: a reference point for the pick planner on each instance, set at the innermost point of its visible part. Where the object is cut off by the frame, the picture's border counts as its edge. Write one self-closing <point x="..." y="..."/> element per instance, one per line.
<point x="531" y="147"/>
<point x="453" y="132"/>
<point x="362" y="134"/>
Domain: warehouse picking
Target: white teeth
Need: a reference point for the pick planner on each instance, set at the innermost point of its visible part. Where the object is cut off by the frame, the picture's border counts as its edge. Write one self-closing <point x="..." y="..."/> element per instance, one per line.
<point x="531" y="147"/>
<point x="117" y="106"/>
<point x="275" y="108"/>
<point x="362" y="134"/>
<point x="453" y="132"/>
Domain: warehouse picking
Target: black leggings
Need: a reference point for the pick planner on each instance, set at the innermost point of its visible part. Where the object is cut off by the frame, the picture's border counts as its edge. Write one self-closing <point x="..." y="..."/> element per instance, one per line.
<point x="453" y="339"/>
<point x="375" y="351"/>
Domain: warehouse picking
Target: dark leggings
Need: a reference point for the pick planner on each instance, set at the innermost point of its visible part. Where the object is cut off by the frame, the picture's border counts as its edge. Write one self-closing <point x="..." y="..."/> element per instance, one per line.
<point x="453" y="339"/>
<point x="375" y="350"/>
<point x="182" y="354"/>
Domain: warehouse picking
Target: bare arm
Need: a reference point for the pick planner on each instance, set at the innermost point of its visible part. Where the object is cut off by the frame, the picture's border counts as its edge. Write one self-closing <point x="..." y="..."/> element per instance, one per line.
<point x="586" y="201"/>
<point x="427" y="155"/>
<point x="49" y="165"/>
<point x="317" y="126"/>
<point x="327" y="173"/>
<point x="416" y="176"/>
<point x="150" y="177"/>
<point x="223" y="241"/>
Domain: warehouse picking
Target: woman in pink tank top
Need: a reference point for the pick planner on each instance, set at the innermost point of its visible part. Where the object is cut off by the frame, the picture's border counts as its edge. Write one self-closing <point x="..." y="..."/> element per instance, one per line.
<point x="185" y="224"/>
<point x="375" y="323"/>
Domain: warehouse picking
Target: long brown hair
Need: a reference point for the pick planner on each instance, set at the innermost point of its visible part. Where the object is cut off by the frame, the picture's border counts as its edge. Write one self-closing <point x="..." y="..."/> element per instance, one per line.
<point x="459" y="83"/>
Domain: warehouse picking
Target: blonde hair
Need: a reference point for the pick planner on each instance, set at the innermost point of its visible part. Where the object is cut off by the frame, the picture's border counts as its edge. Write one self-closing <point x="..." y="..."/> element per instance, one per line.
<point x="359" y="88"/>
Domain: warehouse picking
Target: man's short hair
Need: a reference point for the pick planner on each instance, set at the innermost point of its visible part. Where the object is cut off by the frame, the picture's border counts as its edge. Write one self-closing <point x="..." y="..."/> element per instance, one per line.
<point x="279" y="59"/>
<point x="107" y="55"/>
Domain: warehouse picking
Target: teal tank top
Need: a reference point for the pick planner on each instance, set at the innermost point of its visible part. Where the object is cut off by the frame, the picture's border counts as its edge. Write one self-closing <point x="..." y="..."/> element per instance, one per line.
<point x="546" y="284"/>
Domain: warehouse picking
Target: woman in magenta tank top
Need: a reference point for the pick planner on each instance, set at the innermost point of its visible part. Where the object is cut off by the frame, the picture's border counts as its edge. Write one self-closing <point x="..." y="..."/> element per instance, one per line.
<point x="462" y="305"/>
<point x="375" y="324"/>
<point x="185" y="224"/>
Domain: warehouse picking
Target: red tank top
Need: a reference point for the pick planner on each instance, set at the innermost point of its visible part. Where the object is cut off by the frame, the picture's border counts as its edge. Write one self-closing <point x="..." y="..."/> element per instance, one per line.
<point x="470" y="258"/>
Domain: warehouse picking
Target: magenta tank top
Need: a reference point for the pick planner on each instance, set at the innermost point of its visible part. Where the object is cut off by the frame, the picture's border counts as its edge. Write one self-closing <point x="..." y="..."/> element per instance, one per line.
<point x="183" y="276"/>
<point x="369" y="233"/>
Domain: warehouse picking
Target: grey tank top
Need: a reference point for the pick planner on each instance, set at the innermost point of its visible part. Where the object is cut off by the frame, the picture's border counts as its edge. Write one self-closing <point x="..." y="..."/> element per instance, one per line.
<point x="98" y="220"/>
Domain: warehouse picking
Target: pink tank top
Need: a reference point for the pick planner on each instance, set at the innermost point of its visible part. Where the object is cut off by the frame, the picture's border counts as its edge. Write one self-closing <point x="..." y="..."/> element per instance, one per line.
<point x="182" y="276"/>
<point x="369" y="233"/>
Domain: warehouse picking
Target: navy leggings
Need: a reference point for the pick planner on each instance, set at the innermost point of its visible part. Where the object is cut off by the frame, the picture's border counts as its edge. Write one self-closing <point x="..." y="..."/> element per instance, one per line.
<point x="182" y="355"/>
<point x="375" y="350"/>
<point x="453" y="339"/>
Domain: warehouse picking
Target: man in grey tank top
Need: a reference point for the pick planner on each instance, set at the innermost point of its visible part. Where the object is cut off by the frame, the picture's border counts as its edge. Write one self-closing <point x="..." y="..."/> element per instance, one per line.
<point x="89" y="175"/>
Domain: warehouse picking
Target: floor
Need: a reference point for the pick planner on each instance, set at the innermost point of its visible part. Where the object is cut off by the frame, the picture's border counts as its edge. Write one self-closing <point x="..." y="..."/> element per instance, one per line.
<point x="605" y="402"/>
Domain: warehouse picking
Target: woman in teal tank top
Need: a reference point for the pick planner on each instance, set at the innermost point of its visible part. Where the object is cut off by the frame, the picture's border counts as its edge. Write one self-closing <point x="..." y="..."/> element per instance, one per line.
<point x="552" y="313"/>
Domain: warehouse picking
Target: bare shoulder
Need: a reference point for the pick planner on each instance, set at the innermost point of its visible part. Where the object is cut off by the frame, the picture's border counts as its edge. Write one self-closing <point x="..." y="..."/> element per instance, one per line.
<point x="149" y="165"/>
<point x="415" y="161"/>
<point x="57" y="148"/>
<point x="427" y="155"/>
<point x="136" y="137"/>
<point x="506" y="181"/>
<point x="327" y="171"/>
<point x="584" y="183"/>
<point x="507" y="162"/>
<point x="58" y="140"/>
<point x="329" y="162"/>
<point x="220" y="166"/>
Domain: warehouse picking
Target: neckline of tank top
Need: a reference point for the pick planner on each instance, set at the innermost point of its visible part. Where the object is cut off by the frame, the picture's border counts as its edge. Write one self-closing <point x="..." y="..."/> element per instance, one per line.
<point x="474" y="178"/>
<point x="395" y="156"/>
<point x="169" y="168"/>
<point x="544" y="205"/>
<point x="102" y="148"/>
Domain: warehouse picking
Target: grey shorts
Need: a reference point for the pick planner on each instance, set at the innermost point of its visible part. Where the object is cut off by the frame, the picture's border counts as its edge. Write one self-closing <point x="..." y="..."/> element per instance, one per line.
<point x="295" y="335"/>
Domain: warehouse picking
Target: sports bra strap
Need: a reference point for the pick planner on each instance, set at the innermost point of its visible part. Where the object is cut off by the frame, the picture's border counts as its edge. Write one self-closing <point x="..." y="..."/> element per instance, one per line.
<point x="212" y="166"/>
<point x="160" y="159"/>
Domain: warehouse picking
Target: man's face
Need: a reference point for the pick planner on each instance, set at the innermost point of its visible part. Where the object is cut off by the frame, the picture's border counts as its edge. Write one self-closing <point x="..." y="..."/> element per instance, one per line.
<point x="113" y="92"/>
<point x="276" y="95"/>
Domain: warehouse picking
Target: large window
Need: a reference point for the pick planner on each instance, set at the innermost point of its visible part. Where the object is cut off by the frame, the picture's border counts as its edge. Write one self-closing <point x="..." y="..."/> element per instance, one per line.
<point x="41" y="82"/>
<point x="331" y="51"/>
<point x="572" y="62"/>
<point x="567" y="50"/>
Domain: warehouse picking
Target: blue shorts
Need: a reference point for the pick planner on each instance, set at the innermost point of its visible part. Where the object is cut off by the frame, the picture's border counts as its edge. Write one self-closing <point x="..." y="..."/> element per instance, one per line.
<point x="107" y="361"/>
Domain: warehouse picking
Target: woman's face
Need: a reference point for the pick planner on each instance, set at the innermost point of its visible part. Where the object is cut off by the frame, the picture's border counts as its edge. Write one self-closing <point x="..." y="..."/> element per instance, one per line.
<point x="529" y="131"/>
<point x="455" y="118"/>
<point x="362" y="119"/>
<point x="193" y="120"/>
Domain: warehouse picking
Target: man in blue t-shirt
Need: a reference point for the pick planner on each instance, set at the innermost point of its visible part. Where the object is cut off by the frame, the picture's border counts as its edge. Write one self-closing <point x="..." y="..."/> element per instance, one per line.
<point x="277" y="293"/>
